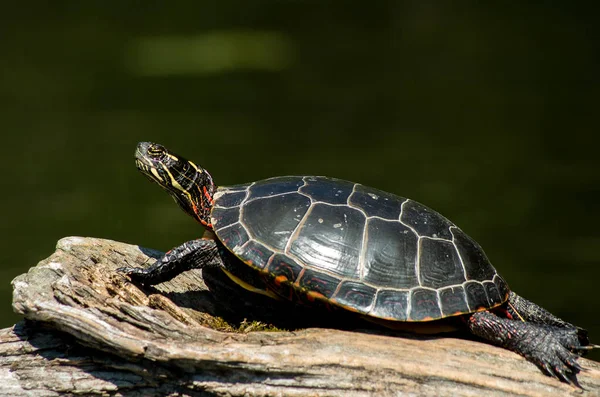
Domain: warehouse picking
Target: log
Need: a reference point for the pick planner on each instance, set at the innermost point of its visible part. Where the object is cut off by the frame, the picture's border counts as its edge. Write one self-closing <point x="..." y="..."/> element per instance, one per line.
<point x="88" y="330"/>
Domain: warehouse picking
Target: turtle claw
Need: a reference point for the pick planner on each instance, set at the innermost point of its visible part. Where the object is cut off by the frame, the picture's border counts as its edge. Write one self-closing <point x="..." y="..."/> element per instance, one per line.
<point x="135" y="274"/>
<point x="557" y="361"/>
<point x="127" y="270"/>
<point x="578" y="367"/>
<point x="572" y="363"/>
<point x="562" y="376"/>
<point x="565" y="372"/>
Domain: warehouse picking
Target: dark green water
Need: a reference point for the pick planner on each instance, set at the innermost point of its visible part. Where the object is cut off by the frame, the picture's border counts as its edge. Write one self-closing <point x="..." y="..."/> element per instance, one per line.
<point x="489" y="115"/>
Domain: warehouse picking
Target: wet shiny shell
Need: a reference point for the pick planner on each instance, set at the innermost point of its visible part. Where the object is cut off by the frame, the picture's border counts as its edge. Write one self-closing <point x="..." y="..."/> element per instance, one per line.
<point x="356" y="247"/>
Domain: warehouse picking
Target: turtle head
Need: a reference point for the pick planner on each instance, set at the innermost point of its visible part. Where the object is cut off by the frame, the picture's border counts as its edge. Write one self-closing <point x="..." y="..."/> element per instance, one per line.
<point x="190" y="186"/>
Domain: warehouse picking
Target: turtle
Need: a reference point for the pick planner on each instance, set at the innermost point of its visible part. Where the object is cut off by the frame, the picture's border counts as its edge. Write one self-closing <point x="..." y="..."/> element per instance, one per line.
<point x="316" y="240"/>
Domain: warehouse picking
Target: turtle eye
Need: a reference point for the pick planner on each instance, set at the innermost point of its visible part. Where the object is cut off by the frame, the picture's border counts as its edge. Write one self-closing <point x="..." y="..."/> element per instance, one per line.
<point x="156" y="150"/>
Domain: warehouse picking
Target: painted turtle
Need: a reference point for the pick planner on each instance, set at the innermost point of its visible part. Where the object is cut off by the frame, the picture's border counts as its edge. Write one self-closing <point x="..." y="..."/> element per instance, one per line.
<point x="390" y="259"/>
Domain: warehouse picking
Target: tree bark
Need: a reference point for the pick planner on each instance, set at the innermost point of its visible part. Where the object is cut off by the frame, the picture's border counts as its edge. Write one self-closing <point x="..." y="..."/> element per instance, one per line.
<point x="87" y="330"/>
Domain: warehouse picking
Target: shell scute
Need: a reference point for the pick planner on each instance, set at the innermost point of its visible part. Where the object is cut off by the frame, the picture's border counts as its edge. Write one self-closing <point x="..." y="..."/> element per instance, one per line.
<point x="319" y="282"/>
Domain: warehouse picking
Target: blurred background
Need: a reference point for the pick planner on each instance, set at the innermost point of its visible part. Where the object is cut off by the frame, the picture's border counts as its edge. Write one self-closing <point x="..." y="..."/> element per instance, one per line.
<point x="487" y="113"/>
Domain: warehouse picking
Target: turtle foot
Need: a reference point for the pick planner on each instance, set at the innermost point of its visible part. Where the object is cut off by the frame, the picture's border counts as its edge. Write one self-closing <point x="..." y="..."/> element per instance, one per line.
<point x="136" y="274"/>
<point x="556" y="354"/>
<point x="554" y="350"/>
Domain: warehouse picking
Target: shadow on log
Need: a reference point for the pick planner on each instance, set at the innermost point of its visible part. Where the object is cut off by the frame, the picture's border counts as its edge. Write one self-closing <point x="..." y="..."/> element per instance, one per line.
<point x="87" y="330"/>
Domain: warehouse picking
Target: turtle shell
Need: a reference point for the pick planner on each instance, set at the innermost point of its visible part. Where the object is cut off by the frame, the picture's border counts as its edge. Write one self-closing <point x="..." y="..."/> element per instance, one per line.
<point x="356" y="247"/>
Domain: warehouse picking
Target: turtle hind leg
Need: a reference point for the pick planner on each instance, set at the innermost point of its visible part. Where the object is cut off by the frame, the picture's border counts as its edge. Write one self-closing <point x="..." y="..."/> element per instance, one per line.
<point x="548" y="347"/>
<point x="522" y="309"/>
<point x="194" y="254"/>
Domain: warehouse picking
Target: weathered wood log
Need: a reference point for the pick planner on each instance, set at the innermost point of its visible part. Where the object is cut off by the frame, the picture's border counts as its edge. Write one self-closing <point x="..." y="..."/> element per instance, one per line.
<point x="89" y="331"/>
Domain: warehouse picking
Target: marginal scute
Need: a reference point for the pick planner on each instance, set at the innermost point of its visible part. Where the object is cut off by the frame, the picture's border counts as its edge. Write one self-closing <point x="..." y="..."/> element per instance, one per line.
<point x="476" y="295"/>
<point x="391" y="305"/>
<point x="228" y="199"/>
<point x="282" y="265"/>
<point x="223" y="217"/>
<point x="234" y="237"/>
<point x="356" y="295"/>
<point x="502" y="287"/>
<point x="424" y="305"/>
<point x="242" y="187"/>
<point x="453" y="300"/>
<point x="493" y="293"/>
<point x="321" y="283"/>
<point x="256" y="254"/>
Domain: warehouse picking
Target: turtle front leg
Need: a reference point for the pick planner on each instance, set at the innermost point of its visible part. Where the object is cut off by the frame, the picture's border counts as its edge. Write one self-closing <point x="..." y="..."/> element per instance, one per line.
<point x="194" y="254"/>
<point x="548" y="347"/>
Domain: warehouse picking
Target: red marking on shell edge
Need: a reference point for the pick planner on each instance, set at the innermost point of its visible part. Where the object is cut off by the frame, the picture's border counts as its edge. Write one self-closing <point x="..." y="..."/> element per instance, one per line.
<point x="343" y="306"/>
<point x="297" y="282"/>
<point x="280" y="280"/>
<point x="312" y="295"/>
<point x="350" y="308"/>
